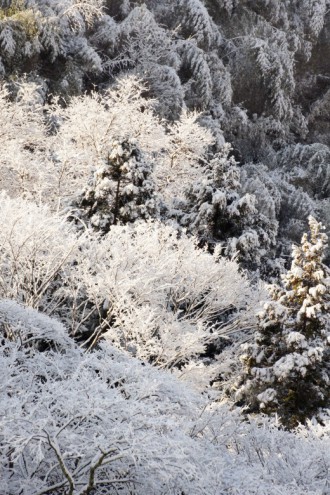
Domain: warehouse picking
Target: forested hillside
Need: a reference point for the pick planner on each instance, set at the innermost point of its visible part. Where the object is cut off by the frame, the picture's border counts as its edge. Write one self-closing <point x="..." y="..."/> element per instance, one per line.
<point x="164" y="258"/>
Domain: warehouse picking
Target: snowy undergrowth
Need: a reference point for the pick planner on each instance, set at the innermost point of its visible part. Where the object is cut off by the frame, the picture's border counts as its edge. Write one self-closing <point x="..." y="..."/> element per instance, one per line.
<point x="78" y="423"/>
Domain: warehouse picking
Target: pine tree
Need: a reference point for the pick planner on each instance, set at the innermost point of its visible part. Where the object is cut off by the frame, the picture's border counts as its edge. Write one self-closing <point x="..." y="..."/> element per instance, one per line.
<point x="120" y="190"/>
<point x="286" y="367"/>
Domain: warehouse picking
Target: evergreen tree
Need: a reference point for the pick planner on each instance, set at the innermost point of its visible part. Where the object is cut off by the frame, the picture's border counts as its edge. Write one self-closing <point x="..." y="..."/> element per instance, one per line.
<point x="218" y="211"/>
<point x="286" y="368"/>
<point x="120" y="190"/>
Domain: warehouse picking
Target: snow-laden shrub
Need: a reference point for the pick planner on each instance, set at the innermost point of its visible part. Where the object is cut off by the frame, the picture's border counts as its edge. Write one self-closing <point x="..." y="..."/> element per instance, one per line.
<point x="163" y="297"/>
<point x="84" y="423"/>
<point x="28" y="328"/>
<point x="23" y="140"/>
<point x="102" y="422"/>
<point x="36" y="252"/>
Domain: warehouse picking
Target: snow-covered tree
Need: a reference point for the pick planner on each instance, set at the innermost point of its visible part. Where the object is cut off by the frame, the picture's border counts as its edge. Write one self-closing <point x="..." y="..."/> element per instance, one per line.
<point x="36" y="252"/>
<point x="180" y="165"/>
<point x="38" y="35"/>
<point x="307" y="167"/>
<point x="149" y="50"/>
<point x="286" y="368"/>
<point x="23" y="139"/>
<point x="164" y="299"/>
<point x="39" y="251"/>
<point x="155" y="293"/>
<point x="86" y="130"/>
<point x="218" y="211"/>
<point x="88" y="126"/>
<point x="120" y="191"/>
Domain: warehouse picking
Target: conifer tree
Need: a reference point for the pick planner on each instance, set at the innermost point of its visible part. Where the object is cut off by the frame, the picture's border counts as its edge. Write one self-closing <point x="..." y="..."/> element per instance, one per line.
<point x="120" y="190"/>
<point x="218" y="211"/>
<point x="286" y="368"/>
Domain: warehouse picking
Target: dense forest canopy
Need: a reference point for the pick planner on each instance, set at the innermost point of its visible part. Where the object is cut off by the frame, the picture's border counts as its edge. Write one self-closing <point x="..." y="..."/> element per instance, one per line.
<point x="164" y="257"/>
<point x="257" y="73"/>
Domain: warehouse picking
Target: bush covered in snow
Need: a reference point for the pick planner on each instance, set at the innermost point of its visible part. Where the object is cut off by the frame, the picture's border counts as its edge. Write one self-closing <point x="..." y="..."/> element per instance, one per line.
<point x="103" y="422"/>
